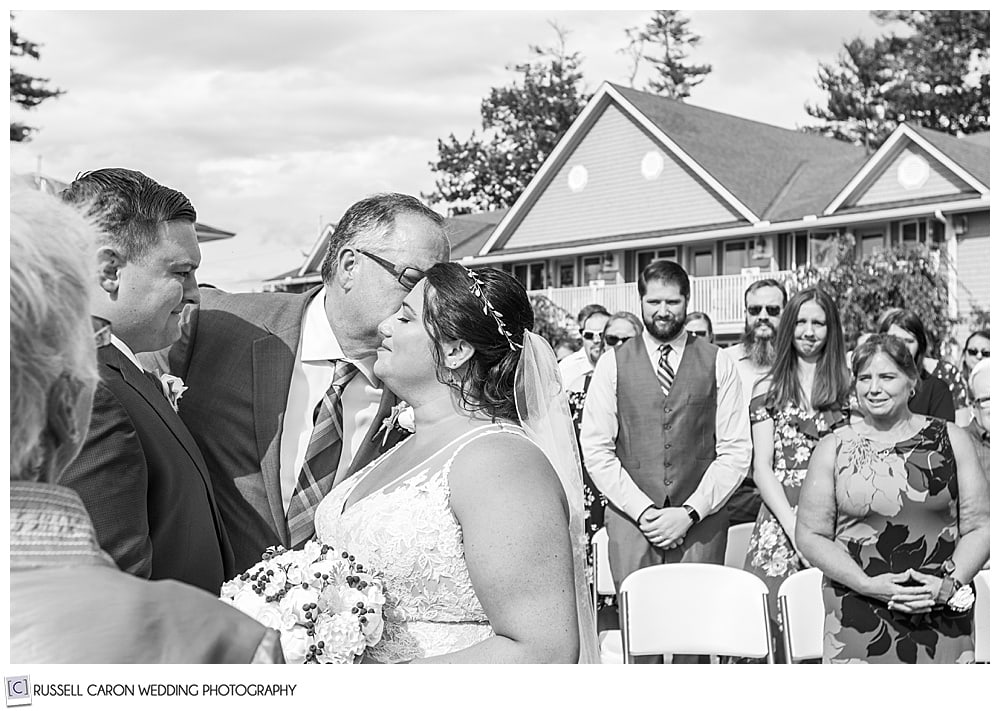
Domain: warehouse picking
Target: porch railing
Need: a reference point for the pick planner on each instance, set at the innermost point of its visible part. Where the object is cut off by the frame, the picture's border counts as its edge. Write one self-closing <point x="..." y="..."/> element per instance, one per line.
<point x="721" y="297"/>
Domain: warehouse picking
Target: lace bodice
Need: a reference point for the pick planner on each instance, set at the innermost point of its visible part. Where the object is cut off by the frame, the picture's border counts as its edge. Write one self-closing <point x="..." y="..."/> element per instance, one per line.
<point x="407" y="531"/>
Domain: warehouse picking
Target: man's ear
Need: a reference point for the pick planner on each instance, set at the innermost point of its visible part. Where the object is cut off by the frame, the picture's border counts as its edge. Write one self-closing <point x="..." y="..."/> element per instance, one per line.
<point x="347" y="263"/>
<point x="109" y="264"/>
<point x="456" y="353"/>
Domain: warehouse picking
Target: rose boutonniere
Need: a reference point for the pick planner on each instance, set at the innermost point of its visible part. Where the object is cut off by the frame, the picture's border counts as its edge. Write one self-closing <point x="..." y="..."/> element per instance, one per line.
<point x="173" y="388"/>
<point x="400" y="418"/>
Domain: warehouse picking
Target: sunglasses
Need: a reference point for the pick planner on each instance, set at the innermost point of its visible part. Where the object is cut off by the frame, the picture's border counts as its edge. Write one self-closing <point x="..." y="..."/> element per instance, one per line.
<point x="771" y="310"/>
<point x="591" y="335"/>
<point x="615" y="340"/>
<point x="703" y="334"/>
<point x="407" y="276"/>
<point x="974" y="352"/>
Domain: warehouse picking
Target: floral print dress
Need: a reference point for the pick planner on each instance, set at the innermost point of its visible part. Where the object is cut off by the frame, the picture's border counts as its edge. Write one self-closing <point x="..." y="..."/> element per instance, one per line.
<point x="771" y="555"/>
<point x="593" y="500"/>
<point x="897" y="509"/>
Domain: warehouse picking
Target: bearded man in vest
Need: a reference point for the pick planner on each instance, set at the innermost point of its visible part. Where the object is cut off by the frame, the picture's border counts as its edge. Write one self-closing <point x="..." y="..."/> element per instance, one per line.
<point x="665" y="435"/>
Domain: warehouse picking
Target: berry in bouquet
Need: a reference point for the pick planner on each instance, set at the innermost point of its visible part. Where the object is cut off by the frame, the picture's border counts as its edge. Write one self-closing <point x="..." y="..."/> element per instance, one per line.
<point x="326" y="605"/>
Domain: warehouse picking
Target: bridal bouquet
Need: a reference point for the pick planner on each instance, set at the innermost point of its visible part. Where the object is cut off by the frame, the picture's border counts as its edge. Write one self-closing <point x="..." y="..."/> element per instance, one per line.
<point x="326" y="605"/>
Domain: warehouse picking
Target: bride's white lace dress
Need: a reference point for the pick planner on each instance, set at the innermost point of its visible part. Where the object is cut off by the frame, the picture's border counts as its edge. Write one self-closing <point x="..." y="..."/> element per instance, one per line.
<point x="408" y="532"/>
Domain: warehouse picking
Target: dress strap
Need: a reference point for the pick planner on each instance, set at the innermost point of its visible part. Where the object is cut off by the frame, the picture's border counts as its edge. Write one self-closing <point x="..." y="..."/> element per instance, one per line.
<point x="484" y="431"/>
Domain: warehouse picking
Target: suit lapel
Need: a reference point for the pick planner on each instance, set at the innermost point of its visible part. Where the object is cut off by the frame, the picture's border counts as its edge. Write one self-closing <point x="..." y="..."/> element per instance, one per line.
<point x="273" y="361"/>
<point x="153" y="394"/>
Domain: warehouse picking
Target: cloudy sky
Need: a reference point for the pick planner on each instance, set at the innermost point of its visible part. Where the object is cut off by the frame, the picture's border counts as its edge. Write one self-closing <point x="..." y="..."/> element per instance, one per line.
<point x="273" y="123"/>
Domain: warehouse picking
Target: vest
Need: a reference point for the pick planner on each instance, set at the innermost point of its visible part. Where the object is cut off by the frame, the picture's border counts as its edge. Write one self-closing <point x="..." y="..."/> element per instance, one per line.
<point x="666" y="443"/>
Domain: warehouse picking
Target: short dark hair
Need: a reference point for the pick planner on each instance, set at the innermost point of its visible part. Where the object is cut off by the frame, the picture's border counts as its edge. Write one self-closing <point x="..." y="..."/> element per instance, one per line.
<point x="891" y="346"/>
<point x="373" y="219"/>
<point x="908" y="321"/>
<point x="764" y="283"/>
<point x="667" y="272"/>
<point x="128" y="206"/>
<point x="452" y="311"/>
<point x="588" y="311"/>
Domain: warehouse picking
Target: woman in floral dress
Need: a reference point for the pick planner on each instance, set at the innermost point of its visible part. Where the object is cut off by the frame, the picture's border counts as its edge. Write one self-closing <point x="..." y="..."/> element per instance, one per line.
<point x="895" y="512"/>
<point x="799" y="402"/>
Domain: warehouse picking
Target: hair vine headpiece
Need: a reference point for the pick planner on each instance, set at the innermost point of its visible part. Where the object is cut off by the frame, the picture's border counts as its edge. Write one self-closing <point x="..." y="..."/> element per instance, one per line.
<point x="478" y="291"/>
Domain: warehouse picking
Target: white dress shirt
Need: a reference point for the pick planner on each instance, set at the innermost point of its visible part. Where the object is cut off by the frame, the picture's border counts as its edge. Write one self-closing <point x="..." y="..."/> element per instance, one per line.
<point x="600" y="430"/>
<point x="311" y="378"/>
<point x="126" y="351"/>
<point x="574" y="369"/>
<point x="749" y="373"/>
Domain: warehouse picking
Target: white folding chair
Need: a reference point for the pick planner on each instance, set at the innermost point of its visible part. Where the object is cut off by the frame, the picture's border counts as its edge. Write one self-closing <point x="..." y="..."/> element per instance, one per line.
<point x="694" y="608"/>
<point x="982" y="582"/>
<point x="737" y="543"/>
<point x="800" y="603"/>
<point x="604" y="584"/>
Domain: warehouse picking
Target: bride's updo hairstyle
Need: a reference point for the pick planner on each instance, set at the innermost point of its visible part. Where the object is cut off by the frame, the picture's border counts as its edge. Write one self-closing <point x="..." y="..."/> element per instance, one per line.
<point x="489" y="309"/>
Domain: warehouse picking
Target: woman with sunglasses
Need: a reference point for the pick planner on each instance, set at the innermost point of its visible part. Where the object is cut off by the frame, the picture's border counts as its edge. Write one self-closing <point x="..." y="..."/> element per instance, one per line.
<point x="699" y="324"/>
<point x="977" y="348"/>
<point x="800" y="399"/>
<point x="622" y="326"/>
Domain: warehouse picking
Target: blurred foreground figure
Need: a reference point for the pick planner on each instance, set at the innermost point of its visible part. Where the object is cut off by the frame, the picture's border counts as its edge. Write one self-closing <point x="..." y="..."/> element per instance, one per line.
<point x="68" y="601"/>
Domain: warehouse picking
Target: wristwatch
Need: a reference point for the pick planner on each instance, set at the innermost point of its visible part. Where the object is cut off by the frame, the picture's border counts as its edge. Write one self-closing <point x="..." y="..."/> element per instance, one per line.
<point x="695" y="518"/>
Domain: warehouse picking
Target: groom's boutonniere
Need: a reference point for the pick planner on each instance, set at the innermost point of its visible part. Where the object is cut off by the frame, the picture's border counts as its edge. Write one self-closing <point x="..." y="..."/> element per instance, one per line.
<point x="400" y="418"/>
<point x="173" y="388"/>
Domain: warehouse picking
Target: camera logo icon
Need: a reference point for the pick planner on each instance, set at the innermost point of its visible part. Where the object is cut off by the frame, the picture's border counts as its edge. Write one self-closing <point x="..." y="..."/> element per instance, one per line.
<point x="18" y="690"/>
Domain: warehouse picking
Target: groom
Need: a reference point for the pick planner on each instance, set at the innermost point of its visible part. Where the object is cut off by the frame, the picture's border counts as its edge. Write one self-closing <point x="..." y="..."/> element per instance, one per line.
<point x="281" y="395"/>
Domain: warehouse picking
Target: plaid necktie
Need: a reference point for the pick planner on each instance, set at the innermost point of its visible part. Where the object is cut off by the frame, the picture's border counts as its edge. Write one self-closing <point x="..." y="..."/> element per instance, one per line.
<point x="664" y="373"/>
<point x="322" y="456"/>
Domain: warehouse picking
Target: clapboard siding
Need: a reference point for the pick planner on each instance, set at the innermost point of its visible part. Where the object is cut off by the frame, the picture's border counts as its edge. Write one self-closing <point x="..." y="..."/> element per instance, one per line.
<point x="617" y="199"/>
<point x="886" y="187"/>
<point x="973" y="273"/>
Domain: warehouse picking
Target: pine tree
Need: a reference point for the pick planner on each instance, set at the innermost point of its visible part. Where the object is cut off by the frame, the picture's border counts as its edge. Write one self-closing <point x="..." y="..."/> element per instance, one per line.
<point x="26" y="91"/>
<point x="670" y="43"/>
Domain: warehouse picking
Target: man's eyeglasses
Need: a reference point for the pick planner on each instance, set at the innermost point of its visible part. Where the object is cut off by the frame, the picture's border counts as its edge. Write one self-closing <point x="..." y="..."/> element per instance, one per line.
<point x="407" y="276"/>
<point x="615" y="340"/>
<point x="771" y="310"/>
<point x="974" y="352"/>
<point x="591" y="335"/>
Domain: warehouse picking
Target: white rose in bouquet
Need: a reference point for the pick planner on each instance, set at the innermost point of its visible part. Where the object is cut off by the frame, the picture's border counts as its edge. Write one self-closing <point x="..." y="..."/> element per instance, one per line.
<point x="327" y="605"/>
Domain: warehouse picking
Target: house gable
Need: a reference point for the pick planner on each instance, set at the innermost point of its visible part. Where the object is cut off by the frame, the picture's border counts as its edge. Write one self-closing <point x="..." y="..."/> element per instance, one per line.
<point x="617" y="180"/>
<point x="911" y="174"/>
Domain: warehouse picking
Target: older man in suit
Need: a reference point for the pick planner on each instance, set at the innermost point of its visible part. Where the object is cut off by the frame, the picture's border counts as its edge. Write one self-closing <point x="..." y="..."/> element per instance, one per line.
<point x="140" y="473"/>
<point x="282" y="398"/>
<point x="665" y="435"/>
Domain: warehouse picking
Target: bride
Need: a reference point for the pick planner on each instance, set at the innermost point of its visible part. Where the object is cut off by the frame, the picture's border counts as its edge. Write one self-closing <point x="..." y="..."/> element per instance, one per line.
<point x="475" y="520"/>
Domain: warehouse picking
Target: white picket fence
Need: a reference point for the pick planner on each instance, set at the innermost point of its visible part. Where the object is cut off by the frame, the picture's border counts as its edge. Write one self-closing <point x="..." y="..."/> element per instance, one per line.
<point x="721" y="297"/>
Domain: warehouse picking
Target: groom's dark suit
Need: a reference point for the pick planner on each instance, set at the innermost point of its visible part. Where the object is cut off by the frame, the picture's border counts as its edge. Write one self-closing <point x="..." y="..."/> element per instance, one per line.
<point x="145" y="483"/>
<point x="236" y="355"/>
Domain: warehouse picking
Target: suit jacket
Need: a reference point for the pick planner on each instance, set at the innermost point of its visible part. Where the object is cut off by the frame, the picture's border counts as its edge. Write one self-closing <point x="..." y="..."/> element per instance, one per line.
<point x="236" y="355"/>
<point x="145" y="483"/>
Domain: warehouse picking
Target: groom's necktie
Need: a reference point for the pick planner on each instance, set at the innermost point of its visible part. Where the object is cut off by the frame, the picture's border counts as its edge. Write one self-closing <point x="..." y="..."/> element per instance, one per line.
<point x="322" y="456"/>
<point x="664" y="373"/>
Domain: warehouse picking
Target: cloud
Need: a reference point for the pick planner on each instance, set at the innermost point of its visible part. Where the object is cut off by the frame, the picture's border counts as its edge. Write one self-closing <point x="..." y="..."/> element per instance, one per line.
<point x="276" y="122"/>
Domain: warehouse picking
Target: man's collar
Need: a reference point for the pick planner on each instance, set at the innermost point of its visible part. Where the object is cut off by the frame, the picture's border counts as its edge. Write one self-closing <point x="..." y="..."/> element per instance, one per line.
<point x="126" y="351"/>
<point x="320" y="344"/>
